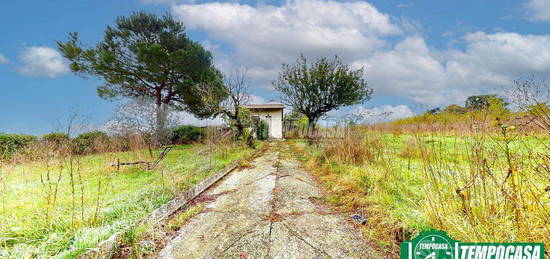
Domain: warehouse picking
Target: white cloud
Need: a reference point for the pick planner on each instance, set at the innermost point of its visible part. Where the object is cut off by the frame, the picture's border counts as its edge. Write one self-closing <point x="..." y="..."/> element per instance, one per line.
<point x="397" y="58"/>
<point x="437" y="77"/>
<point x="539" y="10"/>
<point x="507" y="53"/>
<point x="42" y="62"/>
<point x="265" y="36"/>
<point x="382" y="113"/>
<point x="3" y="59"/>
<point x="408" y="69"/>
<point x="255" y="99"/>
<point x="185" y="118"/>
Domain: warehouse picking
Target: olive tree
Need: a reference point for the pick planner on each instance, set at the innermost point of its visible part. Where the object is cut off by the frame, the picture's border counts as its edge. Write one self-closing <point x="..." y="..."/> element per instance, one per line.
<point x="313" y="89"/>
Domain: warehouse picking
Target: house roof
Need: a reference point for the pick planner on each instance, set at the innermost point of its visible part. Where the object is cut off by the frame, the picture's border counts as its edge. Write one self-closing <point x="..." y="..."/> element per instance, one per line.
<point x="265" y="106"/>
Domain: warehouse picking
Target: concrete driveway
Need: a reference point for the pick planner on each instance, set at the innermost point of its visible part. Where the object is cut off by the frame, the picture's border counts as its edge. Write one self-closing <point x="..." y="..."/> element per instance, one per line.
<point x="274" y="209"/>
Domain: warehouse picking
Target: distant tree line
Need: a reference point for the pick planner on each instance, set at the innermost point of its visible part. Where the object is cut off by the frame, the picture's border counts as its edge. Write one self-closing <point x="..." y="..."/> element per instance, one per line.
<point x="475" y="107"/>
<point x="476" y="103"/>
<point x="89" y="142"/>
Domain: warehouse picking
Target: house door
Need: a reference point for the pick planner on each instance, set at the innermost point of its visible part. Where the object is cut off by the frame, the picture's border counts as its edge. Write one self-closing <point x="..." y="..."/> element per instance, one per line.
<point x="268" y="119"/>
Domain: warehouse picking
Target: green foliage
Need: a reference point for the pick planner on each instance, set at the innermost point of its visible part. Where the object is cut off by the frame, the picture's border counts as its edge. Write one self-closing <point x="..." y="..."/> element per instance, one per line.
<point x="453" y="108"/>
<point x="294" y="124"/>
<point x="56" y="137"/>
<point x="240" y="121"/>
<point x="262" y="130"/>
<point x="145" y="55"/>
<point x="482" y="102"/>
<point x="296" y="119"/>
<point x="317" y="88"/>
<point x="476" y="108"/>
<point x="11" y="143"/>
<point x="88" y="143"/>
<point x="187" y="134"/>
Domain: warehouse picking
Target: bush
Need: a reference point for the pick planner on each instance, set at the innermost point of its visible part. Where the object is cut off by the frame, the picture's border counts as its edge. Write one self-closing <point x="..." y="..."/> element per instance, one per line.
<point x="262" y="131"/>
<point x="10" y="144"/>
<point x="56" y="137"/>
<point x="90" y="142"/>
<point x="187" y="134"/>
<point x="454" y="109"/>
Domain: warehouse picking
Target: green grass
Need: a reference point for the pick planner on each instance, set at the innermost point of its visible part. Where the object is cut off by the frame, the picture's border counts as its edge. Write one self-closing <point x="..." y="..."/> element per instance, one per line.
<point x="409" y="182"/>
<point x="104" y="200"/>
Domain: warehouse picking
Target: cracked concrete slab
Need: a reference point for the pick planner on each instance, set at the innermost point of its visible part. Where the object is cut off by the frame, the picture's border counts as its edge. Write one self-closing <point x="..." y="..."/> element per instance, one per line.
<point x="288" y="244"/>
<point x="273" y="209"/>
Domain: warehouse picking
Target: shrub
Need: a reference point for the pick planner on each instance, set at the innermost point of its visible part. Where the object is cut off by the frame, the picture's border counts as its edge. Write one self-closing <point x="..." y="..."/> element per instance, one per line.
<point x="56" y="137"/>
<point x="262" y="130"/>
<point x="89" y="142"/>
<point x="295" y="125"/>
<point x="10" y="144"/>
<point x="187" y="134"/>
<point x="454" y="109"/>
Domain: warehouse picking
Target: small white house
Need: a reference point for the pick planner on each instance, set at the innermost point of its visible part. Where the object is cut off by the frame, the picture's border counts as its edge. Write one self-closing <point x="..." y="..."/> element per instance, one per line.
<point x="272" y="114"/>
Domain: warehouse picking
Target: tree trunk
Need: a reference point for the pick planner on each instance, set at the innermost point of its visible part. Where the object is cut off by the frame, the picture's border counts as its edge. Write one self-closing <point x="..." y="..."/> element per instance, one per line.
<point x="161" y="116"/>
<point x="240" y="128"/>
<point x="311" y="126"/>
<point x="250" y="139"/>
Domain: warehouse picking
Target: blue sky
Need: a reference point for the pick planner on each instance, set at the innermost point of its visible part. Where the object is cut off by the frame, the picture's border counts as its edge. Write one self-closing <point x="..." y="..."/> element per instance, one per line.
<point x="417" y="54"/>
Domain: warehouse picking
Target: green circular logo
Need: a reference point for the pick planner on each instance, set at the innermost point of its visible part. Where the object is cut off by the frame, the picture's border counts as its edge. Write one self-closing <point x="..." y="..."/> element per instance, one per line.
<point x="433" y="246"/>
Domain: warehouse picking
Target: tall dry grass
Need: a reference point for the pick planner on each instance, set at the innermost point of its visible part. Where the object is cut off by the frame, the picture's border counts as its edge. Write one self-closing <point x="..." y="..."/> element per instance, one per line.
<point x="494" y="192"/>
<point x="353" y="147"/>
<point x="481" y="181"/>
<point x="72" y="200"/>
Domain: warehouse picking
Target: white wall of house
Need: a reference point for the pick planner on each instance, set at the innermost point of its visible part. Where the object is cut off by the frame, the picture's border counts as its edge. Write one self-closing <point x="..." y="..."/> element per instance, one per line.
<point x="273" y="117"/>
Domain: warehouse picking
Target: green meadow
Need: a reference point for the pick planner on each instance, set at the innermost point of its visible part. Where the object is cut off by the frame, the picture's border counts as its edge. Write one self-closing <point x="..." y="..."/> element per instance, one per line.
<point x="490" y="187"/>
<point x="66" y="205"/>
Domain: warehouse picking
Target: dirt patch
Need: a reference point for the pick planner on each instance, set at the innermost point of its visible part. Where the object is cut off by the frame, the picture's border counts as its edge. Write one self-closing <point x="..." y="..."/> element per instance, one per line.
<point x="206" y="198"/>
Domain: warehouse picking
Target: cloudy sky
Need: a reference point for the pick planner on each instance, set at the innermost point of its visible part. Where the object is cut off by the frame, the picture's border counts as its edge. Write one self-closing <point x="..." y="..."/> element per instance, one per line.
<point x="417" y="54"/>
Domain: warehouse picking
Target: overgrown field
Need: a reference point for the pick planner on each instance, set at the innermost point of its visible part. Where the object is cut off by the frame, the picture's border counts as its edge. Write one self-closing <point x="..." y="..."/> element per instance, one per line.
<point x="487" y="187"/>
<point x="66" y="205"/>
